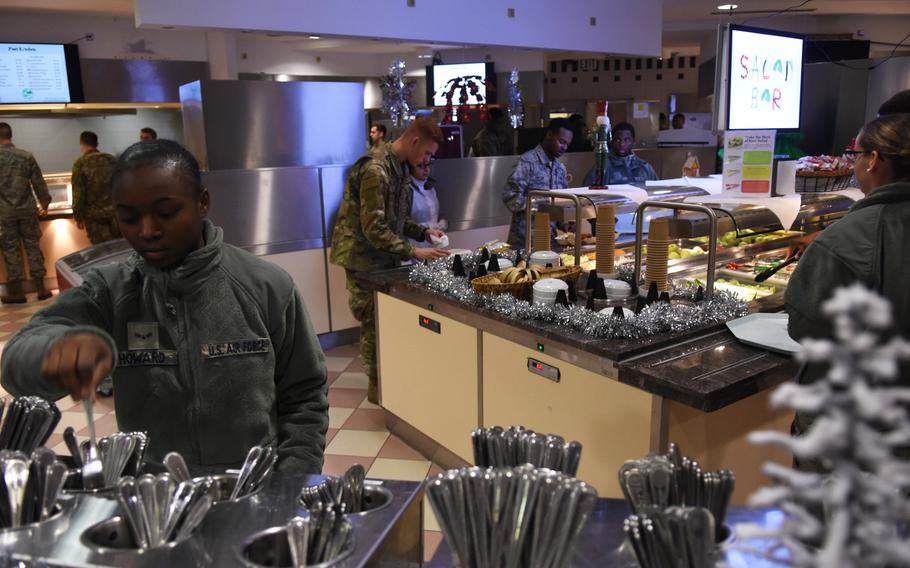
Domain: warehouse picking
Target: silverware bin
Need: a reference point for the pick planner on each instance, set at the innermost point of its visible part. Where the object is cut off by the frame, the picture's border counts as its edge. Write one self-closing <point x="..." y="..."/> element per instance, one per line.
<point x="270" y="548"/>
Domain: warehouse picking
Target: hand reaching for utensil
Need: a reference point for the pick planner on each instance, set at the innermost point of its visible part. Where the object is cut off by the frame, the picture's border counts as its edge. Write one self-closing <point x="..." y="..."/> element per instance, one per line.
<point x="78" y="363"/>
<point x="429" y="253"/>
<point x="799" y="245"/>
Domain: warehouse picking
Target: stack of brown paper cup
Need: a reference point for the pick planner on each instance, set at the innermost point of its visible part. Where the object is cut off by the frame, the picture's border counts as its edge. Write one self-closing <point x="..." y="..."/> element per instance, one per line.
<point x="606" y="238"/>
<point x="540" y="238"/>
<point x="658" y="248"/>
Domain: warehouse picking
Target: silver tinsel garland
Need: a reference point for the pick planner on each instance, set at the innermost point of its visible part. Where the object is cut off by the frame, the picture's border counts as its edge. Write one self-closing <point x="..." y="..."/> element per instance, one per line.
<point x="516" y="106"/>
<point x="653" y="319"/>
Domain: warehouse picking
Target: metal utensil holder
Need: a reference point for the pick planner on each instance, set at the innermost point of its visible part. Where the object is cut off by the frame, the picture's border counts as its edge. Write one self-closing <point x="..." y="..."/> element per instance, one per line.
<point x="553" y="196"/>
<point x="712" y="236"/>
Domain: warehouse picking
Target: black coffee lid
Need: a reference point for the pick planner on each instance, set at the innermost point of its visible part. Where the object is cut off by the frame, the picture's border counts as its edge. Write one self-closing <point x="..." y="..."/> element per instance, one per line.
<point x="592" y="276"/>
<point x="600" y="291"/>
<point x="458" y="266"/>
<point x="653" y="295"/>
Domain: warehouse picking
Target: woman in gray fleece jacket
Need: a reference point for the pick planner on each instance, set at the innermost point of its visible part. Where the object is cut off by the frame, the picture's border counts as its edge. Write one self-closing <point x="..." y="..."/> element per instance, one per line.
<point x="211" y="348"/>
<point x="871" y="245"/>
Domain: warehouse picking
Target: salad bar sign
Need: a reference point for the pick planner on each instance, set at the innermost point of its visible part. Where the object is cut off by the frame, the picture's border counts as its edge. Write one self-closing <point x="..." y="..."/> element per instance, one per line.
<point x="748" y="161"/>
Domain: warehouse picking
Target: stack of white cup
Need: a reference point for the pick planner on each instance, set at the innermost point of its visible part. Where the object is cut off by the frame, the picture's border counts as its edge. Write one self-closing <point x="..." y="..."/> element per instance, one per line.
<point x="545" y="290"/>
<point x="545" y="257"/>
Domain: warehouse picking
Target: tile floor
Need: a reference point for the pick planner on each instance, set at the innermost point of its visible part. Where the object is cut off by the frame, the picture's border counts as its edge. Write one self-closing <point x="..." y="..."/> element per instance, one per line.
<point x="357" y="432"/>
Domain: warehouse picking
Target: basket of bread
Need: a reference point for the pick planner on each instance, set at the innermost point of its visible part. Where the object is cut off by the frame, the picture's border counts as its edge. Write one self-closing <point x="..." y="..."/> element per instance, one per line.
<point x="517" y="280"/>
<point x="822" y="173"/>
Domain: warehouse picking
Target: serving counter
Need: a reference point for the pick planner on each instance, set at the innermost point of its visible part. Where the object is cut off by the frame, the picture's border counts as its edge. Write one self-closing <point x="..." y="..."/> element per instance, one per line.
<point x="447" y="368"/>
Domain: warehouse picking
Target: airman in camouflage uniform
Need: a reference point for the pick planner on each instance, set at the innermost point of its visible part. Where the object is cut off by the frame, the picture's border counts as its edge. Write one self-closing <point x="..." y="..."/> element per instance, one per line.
<point x="536" y="169"/>
<point x="91" y="180"/>
<point x="378" y="184"/>
<point x="372" y="228"/>
<point x="20" y="181"/>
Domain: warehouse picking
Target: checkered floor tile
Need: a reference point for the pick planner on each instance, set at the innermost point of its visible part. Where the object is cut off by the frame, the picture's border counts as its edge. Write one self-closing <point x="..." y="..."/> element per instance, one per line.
<point x="357" y="432"/>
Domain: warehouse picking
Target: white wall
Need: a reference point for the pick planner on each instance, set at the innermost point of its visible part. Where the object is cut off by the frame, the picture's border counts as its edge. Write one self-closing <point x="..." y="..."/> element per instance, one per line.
<point x="258" y="55"/>
<point x="115" y="37"/>
<point x="621" y="26"/>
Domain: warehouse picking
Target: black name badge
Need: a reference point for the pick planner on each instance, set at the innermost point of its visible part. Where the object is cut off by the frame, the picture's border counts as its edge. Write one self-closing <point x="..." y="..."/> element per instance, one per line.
<point x="234" y="348"/>
<point x="146" y="357"/>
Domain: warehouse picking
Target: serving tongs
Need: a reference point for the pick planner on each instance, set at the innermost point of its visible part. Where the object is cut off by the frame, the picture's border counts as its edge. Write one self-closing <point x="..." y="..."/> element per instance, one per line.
<point x="768" y="273"/>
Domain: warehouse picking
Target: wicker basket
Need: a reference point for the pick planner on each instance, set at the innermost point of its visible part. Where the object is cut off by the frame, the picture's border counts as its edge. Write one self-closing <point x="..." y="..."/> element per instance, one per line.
<point x="818" y="182"/>
<point x="490" y="283"/>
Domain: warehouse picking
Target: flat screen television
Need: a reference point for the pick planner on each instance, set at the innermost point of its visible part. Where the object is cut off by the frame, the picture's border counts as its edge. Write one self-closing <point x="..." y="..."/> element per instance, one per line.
<point x="439" y="79"/>
<point x="764" y="79"/>
<point x="39" y="73"/>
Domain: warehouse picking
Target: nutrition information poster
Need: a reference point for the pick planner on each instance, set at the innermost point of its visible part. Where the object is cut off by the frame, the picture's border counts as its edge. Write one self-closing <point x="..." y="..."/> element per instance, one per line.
<point x="748" y="162"/>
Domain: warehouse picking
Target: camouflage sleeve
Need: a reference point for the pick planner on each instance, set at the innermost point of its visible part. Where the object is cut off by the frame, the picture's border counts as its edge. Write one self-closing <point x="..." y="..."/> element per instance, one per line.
<point x="78" y="192"/>
<point x="414" y="231"/>
<point x="39" y="185"/>
<point x="373" y="186"/>
<point x="515" y="193"/>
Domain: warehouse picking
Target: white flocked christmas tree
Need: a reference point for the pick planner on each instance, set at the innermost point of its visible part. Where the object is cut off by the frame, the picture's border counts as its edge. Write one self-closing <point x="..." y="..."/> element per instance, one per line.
<point x="856" y="515"/>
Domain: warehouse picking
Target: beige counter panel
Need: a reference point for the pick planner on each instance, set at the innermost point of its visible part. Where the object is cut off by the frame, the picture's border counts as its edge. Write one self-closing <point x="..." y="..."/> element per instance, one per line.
<point x="338" y="297"/>
<point x="611" y="420"/>
<point x="717" y="440"/>
<point x="307" y="269"/>
<point x="429" y="379"/>
<point x="59" y="237"/>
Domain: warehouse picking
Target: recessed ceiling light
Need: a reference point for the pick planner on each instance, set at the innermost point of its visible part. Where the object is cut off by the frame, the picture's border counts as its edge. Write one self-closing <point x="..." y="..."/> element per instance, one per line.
<point x="728" y="7"/>
<point x="315" y="37"/>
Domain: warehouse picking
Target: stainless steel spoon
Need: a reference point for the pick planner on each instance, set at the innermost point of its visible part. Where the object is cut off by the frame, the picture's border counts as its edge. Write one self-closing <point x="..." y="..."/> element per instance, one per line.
<point x="176" y="466"/>
<point x="92" y="470"/>
<point x="298" y="540"/>
<point x="15" y="476"/>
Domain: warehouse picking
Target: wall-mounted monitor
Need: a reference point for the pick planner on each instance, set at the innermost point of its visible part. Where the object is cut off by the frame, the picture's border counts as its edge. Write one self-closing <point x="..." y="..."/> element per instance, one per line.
<point x="440" y="77"/>
<point x="39" y="73"/>
<point x="764" y="79"/>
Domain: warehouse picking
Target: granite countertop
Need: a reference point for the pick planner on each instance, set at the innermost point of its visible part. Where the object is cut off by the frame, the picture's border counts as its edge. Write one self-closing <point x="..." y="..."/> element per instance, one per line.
<point x="705" y="367"/>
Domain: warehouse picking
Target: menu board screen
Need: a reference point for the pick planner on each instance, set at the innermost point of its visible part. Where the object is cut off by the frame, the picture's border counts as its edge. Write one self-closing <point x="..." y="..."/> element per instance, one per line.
<point x="39" y="73"/>
<point x="765" y="81"/>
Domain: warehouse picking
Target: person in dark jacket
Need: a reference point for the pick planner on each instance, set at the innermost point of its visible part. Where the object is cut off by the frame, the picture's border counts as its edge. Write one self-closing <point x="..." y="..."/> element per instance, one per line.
<point x="211" y="348"/>
<point x="897" y="104"/>
<point x="869" y="245"/>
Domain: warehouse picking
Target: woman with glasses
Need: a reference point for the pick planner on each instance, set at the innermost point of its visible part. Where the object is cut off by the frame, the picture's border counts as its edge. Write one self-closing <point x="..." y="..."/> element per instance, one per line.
<point x="897" y="104"/>
<point x="870" y="245"/>
<point x="424" y="203"/>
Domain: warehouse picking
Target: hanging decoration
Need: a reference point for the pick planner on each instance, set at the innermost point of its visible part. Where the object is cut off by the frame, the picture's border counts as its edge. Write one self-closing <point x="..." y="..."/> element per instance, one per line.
<point x="659" y="317"/>
<point x="396" y="94"/>
<point x="516" y="107"/>
<point x="465" y="87"/>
